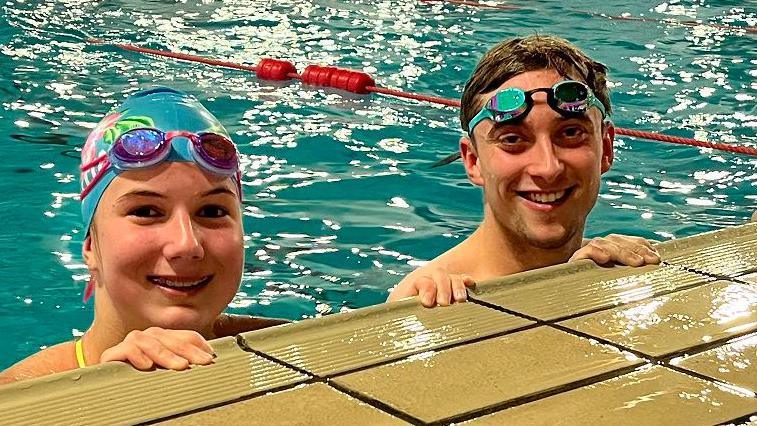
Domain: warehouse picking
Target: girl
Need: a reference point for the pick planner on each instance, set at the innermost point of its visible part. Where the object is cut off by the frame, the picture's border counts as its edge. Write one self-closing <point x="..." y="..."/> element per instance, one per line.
<point x="161" y="203"/>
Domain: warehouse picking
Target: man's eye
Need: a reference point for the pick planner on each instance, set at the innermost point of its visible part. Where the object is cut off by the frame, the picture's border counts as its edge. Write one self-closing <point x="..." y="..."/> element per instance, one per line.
<point x="574" y="132"/>
<point x="509" y="139"/>
<point x="213" y="211"/>
<point x="144" y="211"/>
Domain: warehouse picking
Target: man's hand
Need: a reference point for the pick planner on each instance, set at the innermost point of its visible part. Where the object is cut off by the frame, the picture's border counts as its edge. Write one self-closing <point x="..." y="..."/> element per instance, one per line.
<point x="155" y="346"/>
<point x="433" y="285"/>
<point x="621" y="249"/>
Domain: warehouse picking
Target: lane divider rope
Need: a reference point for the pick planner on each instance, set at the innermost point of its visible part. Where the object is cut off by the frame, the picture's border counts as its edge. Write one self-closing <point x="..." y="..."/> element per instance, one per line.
<point x="362" y="83"/>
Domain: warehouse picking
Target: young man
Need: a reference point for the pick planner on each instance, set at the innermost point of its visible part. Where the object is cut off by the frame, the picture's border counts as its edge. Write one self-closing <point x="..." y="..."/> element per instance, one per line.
<point x="538" y="138"/>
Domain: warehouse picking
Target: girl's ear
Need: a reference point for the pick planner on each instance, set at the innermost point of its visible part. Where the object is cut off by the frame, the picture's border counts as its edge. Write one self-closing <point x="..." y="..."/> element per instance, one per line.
<point x="89" y="254"/>
<point x="470" y="161"/>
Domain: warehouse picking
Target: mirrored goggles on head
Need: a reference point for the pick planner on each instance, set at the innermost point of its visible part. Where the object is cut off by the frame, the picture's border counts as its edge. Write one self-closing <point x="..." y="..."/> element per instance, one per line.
<point x="570" y="98"/>
<point x="144" y="147"/>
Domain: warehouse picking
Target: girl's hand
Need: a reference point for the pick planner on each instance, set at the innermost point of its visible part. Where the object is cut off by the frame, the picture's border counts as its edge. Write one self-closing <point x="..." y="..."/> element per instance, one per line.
<point x="158" y="347"/>
<point x="433" y="286"/>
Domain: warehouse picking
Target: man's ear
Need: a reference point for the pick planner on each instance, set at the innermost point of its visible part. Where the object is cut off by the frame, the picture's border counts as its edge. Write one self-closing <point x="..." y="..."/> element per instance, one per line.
<point x="470" y="161"/>
<point x="608" y="138"/>
<point x="88" y="253"/>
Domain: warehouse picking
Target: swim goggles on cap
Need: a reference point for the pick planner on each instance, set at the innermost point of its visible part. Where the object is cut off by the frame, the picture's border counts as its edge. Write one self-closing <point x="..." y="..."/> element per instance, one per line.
<point x="144" y="147"/>
<point x="570" y="98"/>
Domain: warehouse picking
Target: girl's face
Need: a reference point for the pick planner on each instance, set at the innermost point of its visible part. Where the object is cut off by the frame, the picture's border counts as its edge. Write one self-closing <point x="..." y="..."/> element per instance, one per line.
<point x="166" y="248"/>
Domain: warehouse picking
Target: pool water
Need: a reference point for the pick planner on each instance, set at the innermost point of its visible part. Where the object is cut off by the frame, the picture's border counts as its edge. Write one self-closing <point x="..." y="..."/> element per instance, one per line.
<point x="340" y="200"/>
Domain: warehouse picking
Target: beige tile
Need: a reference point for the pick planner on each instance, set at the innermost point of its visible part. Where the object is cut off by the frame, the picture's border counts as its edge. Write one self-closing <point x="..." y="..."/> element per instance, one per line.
<point x="548" y="296"/>
<point x="437" y="385"/>
<point x="651" y="396"/>
<point x="115" y="393"/>
<point x="380" y="333"/>
<point x="734" y="363"/>
<point x="677" y="321"/>
<point x="749" y="277"/>
<point x="316" y="404"/>
<point x="729" y="252"/>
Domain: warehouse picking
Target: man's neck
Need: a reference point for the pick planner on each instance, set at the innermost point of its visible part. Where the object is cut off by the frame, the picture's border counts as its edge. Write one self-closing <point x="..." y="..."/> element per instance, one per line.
<point x="491" y="252"/>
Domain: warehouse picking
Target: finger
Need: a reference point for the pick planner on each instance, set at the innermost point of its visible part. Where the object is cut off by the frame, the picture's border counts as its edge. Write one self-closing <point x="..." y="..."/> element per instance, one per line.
<point x="633" y="243"/>
<point x="158" y="352"/>
<point x="458" y="288"/>
<point x="592" y="251"/>
<point x="443" y="285"/>
<point x="469" y="282"/>
<point x="189" y="345"/>
<point x="627" y="257"/>
<point x="426" y="290"/>
<point x="650" y="255"/>
<point x="127" y="353"/>
<point x="405" y="288"/>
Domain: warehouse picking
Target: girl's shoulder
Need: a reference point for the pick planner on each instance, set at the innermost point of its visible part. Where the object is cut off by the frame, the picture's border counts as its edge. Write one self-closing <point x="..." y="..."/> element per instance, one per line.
<point x="55" y="359"/>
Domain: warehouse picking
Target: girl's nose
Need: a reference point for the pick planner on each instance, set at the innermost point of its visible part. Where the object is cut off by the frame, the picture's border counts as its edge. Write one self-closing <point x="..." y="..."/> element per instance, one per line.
<point x="185" y="240"/>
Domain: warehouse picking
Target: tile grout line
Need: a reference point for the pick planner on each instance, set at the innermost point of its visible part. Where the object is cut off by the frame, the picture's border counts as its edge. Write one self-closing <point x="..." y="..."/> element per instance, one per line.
<point x="607" y="308"/>
<point x="663" y="360"/>
<point x="704" y="347"/>
<point x="224" y="403"/>
<point x="242" y="343"/>
<point x="700" y="376"/>
<point x="440" y="348"/>
<point x="715" y="275"/>
<point x="377" y="404"/>
<point x="538" y="395"/>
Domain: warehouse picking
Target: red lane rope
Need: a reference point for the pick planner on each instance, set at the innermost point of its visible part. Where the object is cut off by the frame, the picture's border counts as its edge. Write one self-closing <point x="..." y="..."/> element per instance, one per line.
<point x="602" y="15"/>
<point x="748" y="150"/>
<point x="358" y="82"/>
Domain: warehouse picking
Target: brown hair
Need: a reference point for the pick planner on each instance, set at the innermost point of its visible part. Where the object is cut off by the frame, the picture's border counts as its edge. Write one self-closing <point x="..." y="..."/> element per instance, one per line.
<point x="522" y="54"/>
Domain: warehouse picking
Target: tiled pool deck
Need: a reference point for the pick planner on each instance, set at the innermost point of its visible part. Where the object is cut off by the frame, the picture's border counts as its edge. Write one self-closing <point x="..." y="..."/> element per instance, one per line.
<point x="569" y="344"/>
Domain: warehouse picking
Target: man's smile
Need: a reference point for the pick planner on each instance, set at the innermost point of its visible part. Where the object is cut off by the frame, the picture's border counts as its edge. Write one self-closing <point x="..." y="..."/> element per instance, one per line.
<point x="547" y="198"/>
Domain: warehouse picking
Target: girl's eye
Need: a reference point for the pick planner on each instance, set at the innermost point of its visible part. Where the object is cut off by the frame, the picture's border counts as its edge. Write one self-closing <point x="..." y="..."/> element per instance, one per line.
<point x="144" y="211"/>
<point x="213" y="211"/>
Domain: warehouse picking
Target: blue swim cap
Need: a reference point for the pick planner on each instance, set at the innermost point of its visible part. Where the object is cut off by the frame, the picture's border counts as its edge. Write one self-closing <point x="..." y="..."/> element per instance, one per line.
<point x="160" y="108"/>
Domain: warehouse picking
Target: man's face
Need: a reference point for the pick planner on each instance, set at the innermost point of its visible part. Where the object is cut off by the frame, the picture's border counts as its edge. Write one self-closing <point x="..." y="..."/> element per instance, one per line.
<point x="541" y="175"/>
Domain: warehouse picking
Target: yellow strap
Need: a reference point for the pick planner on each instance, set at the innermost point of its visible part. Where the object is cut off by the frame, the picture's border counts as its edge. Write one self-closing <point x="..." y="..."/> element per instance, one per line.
<point x="80" y="354"/>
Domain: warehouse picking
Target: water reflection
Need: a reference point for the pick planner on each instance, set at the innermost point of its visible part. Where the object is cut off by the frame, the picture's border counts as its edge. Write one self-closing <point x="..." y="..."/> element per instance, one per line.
<point x="348" y="174"/>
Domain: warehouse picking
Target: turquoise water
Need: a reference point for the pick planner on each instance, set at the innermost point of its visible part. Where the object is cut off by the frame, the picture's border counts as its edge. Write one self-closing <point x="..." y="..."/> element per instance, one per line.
<point x="340" y="199"/>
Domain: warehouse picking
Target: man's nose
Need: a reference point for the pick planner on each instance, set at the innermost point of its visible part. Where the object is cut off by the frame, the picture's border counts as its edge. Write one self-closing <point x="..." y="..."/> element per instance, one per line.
<point x="545" y="162"/>
<point x="184" y="240"/>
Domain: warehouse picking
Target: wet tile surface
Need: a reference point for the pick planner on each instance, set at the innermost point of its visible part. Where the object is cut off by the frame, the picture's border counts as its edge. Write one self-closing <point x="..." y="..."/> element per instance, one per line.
<point x="734" y="363"/>
<point x="670" y="323"/>
<point x="316" y="404"/>
<point x="382" y="333"/>
<point x="727" y="253"/>
<point x="109" y="393"/>
<point x="437" y="385"/>
<point x="654" y="396"/>
<point x="585" y="291"/>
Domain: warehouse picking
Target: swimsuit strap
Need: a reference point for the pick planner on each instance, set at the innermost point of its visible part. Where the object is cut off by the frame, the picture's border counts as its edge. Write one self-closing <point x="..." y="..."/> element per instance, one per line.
<point x="79" y="353"/>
